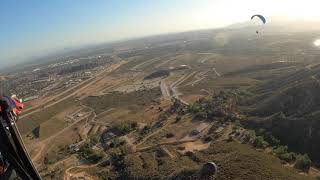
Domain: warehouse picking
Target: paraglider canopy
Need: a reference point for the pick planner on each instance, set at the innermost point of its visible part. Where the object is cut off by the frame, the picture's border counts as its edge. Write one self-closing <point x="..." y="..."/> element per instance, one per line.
<point x="263" y="19"/>
<point x="208" y="170"/>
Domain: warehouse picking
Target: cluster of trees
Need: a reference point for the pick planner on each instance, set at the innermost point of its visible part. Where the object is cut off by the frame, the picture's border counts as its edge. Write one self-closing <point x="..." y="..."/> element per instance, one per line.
<point x="282" y="153"/>
<point x="125" y="127"/>
<point x="88" y="154"/>
<point x="177" y="107"/>
<point x="117" y="142"/>
<point x="263" y="139"/>
<point x="221" y="105"/>
<point x="117" y="160"/>
<point x="81" y="67"/>
<point x="303" y="162"/>
<point x="259" y="142"/>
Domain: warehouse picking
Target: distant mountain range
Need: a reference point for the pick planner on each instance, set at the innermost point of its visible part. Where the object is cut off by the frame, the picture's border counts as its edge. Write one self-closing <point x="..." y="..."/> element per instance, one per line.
<point x="274" y="25"/>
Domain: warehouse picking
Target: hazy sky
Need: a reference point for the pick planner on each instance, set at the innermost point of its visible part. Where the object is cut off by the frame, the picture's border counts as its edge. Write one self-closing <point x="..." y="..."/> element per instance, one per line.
<point x="35" y="27"/>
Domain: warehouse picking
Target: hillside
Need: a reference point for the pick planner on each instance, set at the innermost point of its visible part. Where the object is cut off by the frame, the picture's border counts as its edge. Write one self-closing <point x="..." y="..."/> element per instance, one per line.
<point x="288" y="107"/>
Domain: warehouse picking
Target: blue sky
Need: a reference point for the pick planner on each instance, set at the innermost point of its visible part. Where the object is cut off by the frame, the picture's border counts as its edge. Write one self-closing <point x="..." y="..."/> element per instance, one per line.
<point x="39" y="27"/>
<point x="36" y="27"/>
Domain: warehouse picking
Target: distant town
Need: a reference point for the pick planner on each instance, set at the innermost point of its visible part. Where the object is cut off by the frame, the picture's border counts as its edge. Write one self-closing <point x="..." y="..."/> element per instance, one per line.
<point x="55" y="77"/>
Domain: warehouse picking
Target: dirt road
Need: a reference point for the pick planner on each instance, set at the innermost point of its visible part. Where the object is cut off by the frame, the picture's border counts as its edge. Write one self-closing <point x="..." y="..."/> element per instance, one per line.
<point x="43" y="143"/>
<point x="78" y="88"/>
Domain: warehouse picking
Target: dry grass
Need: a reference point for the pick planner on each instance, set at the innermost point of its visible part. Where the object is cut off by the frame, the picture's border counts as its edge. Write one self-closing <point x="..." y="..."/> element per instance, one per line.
<point x="27" y="124"/>
<point x="237" y="161"/>
<point x="133" y="100"/>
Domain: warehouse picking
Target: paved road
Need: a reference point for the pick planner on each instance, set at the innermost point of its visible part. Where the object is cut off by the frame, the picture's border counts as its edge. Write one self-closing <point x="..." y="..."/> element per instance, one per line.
<point x="215" y="71"/>
<point x="174" y="87"/>
<point x="164" y="89"/>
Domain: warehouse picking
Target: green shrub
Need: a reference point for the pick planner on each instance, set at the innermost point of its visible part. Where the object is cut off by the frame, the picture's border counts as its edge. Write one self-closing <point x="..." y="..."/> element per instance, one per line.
<point x="125" y="127"/>
<point x="200" y="115"/>
<point x="207" y="139"/>
<point x="282" y="153"/>
<point x="249" y="136"/>
<point x="303" y="162"/>
<point x="288" y="157"/>
<point x="252" y="135"/>
<point x="145" y="130"/>
<point x="93" y="140"/>
<point x="169" y="135"/>
<point x="48" y="161"/>
<point x="235" y="128"/>
<point x="178" y="118"/>
<point x="230" y="139"/>
<point x="260" y="132"/>
<point x="237" y="123"/>
<point x="259" y="142"/>
<point x="89" y="155"/>
<point x="117" y="142"/>
<point x="117" y="161"/>
<point x="267" y="136"/>
<point x="271" y="139"/>
<point x="194" y="108"/>
<point x="280" y="150"/>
